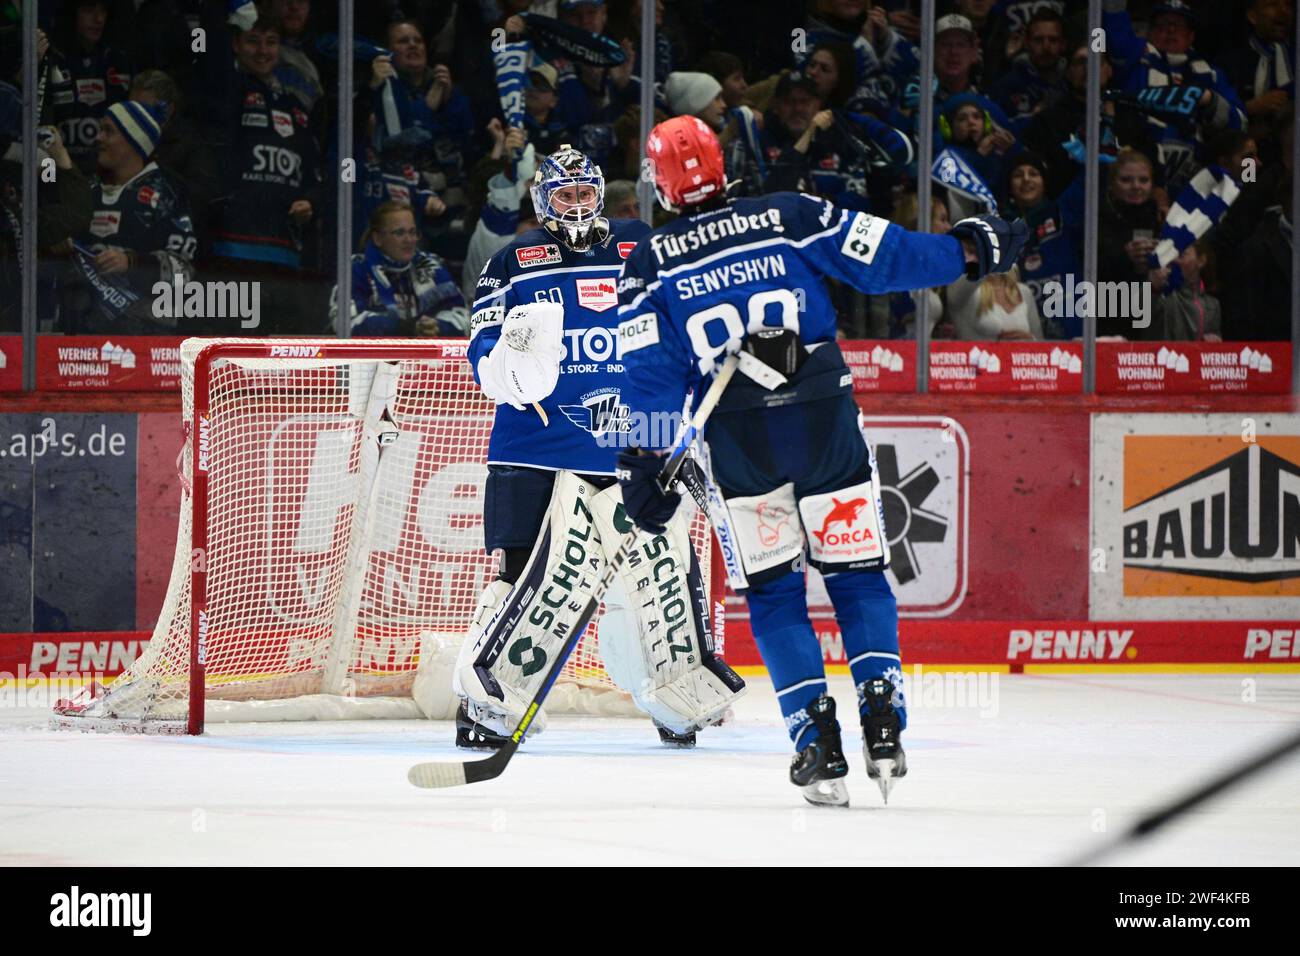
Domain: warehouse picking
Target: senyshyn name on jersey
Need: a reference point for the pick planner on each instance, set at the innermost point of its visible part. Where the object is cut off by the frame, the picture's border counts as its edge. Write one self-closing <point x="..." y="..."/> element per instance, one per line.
<point x="599" y="413"/>
<point x="712" y="230"/>
<point x="725" y="276"/>
<point x="75" y="908"/>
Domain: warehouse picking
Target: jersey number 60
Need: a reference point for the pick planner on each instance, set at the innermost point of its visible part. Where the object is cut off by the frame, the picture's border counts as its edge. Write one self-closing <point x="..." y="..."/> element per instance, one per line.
<point x="720" y="329"/>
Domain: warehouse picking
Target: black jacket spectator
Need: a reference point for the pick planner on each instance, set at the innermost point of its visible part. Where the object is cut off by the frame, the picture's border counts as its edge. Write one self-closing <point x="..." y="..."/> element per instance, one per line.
<point x="1257" y="291"/>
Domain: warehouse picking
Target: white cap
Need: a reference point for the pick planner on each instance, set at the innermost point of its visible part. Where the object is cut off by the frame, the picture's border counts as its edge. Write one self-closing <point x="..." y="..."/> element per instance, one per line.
<point x="953" y="21"/>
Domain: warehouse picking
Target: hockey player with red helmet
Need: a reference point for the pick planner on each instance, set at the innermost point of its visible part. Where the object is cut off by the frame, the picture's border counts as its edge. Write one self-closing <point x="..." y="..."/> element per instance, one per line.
<point x="785" y="446"/>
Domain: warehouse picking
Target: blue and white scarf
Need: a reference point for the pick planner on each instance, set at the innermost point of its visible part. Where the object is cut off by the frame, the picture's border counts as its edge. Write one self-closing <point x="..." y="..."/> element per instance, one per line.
<point x="952" y="171"/>
<point x="511" y="63"/>
<point x="1199" y="206"/>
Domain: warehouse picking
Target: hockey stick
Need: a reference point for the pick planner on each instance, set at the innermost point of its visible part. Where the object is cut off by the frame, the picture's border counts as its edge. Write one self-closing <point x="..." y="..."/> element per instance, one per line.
<point x="436" y="774"/>
<point x="1153" y="821"/>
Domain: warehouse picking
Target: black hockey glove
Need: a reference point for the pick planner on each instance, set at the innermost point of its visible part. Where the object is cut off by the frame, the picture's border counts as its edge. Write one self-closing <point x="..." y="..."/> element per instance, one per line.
<point x="643" y="497"/>
<point x="997" y="243"/>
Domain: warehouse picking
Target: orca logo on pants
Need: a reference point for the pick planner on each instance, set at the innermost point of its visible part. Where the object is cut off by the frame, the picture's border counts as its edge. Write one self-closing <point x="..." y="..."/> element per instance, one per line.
<point x="535" y="662"/>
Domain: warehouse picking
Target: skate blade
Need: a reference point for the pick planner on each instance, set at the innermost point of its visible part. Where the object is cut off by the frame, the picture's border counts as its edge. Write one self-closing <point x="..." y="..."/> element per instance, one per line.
<point x="826" y="793"/>
<point x="886" y="768"/>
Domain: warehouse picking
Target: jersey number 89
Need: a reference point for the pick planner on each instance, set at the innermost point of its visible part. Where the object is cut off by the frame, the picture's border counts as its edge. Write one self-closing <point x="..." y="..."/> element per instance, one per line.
<point x="720" y="328"/>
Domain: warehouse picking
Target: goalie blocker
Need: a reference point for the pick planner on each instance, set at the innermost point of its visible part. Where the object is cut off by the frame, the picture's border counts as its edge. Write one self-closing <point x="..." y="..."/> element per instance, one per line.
<point x="655" y="637"/>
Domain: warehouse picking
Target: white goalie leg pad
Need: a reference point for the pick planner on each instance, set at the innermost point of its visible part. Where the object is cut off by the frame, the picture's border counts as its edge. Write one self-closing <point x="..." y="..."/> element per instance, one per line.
<point x="516" y="640"/>
<point x="655" y="638"/>
<point x="498" y="716"/>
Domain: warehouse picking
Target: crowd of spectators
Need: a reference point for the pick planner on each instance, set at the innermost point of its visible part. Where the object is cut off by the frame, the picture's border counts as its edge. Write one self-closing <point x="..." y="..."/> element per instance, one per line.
<point x="197" y="138"/>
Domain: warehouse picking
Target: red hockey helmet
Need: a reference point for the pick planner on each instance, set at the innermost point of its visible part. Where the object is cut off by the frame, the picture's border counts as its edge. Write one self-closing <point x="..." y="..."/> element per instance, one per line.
<point x="687" y="162"/>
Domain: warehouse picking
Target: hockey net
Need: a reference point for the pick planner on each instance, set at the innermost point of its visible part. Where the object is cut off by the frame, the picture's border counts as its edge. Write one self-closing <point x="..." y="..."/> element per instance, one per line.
<point x="316" y="559"/>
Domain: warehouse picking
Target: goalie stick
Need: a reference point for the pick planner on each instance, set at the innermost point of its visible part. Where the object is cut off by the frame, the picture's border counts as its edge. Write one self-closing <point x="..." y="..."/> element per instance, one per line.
<point x="437" y="774"/>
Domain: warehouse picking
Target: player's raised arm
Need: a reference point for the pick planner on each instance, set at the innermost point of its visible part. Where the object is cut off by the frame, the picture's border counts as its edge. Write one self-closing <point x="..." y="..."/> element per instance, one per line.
<point x="874" y="255"/>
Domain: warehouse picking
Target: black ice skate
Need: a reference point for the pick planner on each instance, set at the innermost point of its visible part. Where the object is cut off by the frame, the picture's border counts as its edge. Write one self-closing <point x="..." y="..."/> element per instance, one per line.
<point x="671" y="738"/>
<point x="818" y="769"/>
<point x="881" y="745"/>
<point x="474" y="736"/>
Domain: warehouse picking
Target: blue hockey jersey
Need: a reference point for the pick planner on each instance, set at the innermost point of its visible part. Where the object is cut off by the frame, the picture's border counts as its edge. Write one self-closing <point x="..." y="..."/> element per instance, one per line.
<point x="693" y="289"/>
<point x="587" y="401"/>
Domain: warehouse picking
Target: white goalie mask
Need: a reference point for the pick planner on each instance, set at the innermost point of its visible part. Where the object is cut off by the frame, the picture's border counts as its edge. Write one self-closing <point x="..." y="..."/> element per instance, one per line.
<point x="569" y="196"/>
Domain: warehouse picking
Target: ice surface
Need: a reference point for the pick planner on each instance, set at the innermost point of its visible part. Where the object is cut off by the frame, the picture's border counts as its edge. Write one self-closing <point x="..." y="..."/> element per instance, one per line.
<point x="1062" y="763"/>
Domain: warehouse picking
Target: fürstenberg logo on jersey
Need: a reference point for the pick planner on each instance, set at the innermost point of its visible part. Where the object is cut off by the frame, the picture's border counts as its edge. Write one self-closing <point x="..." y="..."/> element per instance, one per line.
<point x="1204" y="521"/>
<point x="77" y="909"/>
<point x="208" y="300"/>
<point x="667" y="245"/>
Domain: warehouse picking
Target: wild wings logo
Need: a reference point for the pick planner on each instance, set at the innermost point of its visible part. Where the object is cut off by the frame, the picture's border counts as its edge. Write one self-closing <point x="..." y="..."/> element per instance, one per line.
<point x="600" y="412"/>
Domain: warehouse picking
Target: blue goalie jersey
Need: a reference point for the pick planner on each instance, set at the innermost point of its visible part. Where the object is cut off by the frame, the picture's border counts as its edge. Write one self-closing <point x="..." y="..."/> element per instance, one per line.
<point x="695" y="288"/>
<point x="588" y="399"/>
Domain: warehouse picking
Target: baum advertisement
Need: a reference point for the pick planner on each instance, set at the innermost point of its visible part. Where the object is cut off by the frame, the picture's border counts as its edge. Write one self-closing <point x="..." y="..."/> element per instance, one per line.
<point x="1196" y="516"/>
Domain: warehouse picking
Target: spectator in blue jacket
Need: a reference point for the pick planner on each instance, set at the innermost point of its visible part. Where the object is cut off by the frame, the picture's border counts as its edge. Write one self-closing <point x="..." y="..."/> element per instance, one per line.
<point x="1182" y="97"/>
<point x="398" y="289"/>
<point x="1037" y="75"/>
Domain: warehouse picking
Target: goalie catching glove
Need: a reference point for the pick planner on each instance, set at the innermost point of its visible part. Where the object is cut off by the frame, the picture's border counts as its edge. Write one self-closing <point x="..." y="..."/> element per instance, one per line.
<point x="524" y="366"/>
<point x="997" y="243"/>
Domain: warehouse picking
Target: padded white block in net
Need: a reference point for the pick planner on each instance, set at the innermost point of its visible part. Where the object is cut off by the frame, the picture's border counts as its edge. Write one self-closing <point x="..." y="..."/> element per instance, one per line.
<point x="332" y="561"/>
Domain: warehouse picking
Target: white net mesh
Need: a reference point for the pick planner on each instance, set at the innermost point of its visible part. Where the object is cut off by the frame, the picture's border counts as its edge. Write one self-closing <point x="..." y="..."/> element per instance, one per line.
<point x="331" y="558"/>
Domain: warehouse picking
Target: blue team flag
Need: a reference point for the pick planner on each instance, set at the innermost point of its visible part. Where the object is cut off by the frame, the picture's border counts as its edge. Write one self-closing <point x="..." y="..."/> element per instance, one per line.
<point x="952" y="171"/>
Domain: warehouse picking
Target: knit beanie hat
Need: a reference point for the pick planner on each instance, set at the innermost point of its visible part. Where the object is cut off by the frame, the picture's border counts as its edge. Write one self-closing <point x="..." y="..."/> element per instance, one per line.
<point x="688" y="93"/>
<point x="141" y="124"/>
